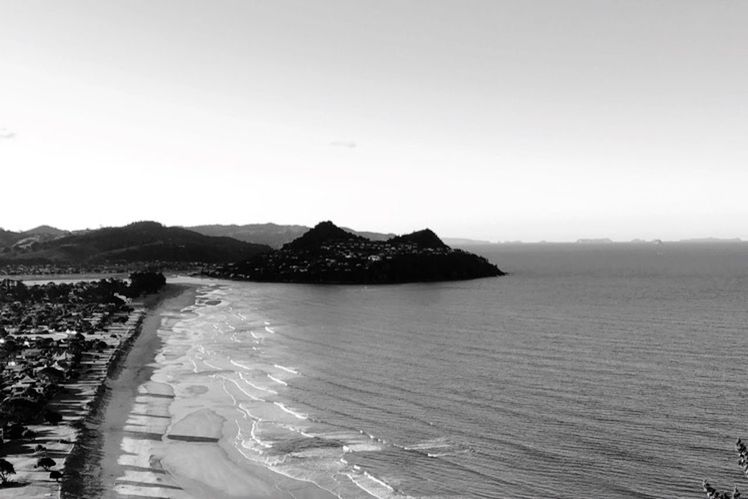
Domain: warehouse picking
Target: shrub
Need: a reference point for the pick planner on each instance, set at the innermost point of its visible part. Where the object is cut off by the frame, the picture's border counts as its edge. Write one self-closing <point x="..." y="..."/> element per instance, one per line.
<point x="6" y="469"/>
<point x="53" y="417"/>
<point x="46" y="463"/>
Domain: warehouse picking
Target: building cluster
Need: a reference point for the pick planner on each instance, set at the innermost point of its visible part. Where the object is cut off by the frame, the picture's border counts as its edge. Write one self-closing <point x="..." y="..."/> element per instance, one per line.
<point x="57" y="269"/>
<point x="331" y="257"/>
<point x="53" y="334"/>
<point x="16" y="269"/>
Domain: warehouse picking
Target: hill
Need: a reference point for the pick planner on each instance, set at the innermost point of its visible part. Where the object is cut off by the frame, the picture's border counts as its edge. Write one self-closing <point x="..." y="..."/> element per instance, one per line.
<point x="330" y="254"/>
<point x="274" y="235"/>
<point x="140" y="241"/>
<point x="270" y="234"/>
<point x="26" y="239"/>
<point x="324" y="232"/>
<point x="422" y="238"/>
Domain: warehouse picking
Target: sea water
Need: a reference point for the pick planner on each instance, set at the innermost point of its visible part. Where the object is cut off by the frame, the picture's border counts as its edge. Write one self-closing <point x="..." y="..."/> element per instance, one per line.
<point x="590" y="371"/>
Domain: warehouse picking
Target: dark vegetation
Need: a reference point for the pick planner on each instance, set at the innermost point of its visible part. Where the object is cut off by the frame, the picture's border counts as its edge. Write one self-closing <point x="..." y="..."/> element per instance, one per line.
<point x="137" y="242"/>
<point x="6" y="470"/>
<point x="329" y="254"/>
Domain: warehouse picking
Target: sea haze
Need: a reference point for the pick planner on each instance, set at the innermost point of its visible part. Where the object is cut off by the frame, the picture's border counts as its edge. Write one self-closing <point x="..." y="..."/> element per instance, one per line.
<point x="612" y="371"/>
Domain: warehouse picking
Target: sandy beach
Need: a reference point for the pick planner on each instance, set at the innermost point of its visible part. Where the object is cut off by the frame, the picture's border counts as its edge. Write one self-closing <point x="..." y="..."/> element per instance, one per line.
<point x="150" y="443"/>
<point x="76" y="402"/>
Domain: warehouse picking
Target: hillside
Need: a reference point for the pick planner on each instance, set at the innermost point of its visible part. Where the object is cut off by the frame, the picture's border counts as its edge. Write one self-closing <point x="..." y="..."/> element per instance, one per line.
<point x="324" y="232"/>
<point x="274" y="235"/>
<point x="422" y="238"/>
<point x="26" y="239"/>
<point x="329" y="254"/>
<point x="141" y="241"/>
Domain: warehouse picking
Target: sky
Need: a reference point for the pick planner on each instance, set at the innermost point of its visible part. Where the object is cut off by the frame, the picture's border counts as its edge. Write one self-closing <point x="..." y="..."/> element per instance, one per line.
<point x="497" y="120"/>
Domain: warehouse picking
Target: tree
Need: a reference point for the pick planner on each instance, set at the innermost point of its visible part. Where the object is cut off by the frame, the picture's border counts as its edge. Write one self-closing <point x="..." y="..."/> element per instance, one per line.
<point x="15" y="431"/>
<point x="55" y="475"/>
<point x="46" y="463"/>
<point x="53" y="417"/>
<point x="145" y="282"/>
<point x="6" y="469"/>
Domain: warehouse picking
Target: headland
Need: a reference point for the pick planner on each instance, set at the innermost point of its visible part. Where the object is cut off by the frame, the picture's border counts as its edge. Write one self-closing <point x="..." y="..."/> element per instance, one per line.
<point x="328" y="254"/>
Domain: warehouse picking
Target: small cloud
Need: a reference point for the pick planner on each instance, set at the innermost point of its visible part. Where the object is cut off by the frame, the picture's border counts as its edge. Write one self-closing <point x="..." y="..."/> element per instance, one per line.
<point x="6" y="134"/>
<point x="343" y="143"/>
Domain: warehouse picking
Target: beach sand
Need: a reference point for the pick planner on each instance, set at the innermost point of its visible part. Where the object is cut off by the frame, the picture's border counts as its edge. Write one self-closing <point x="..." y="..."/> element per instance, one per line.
<point x="76" y="401"/>
<point x="151" y="446"/>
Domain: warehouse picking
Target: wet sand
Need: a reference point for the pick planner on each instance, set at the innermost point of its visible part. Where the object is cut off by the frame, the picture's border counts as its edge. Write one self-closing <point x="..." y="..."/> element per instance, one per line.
<point x="153" y="447"/>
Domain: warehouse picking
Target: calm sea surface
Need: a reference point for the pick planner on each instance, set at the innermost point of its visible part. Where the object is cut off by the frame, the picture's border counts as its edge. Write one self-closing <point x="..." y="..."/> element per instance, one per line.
<point x="591" y="371"/>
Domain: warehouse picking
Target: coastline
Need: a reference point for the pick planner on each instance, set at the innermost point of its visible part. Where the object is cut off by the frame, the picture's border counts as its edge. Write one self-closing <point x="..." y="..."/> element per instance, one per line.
<point x="76" y="402"/>
<point x="83" y="470"/>
<point x="141" y="443"/>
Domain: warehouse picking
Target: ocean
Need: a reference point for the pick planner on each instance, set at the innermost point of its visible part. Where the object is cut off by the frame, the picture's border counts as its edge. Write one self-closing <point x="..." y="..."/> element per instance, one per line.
<point x="613" y="371"/>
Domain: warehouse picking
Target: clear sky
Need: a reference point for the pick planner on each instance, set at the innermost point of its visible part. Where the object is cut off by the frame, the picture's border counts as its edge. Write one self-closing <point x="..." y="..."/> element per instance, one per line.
<point x="499" y="120"/>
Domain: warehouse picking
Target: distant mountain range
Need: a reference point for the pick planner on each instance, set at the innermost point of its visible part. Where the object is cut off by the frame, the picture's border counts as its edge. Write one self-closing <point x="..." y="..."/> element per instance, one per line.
<point x="144" y="241"/>
<point x="137" y="242"/>
<point x="330" y="254"/>
<point x="273" y="235"/>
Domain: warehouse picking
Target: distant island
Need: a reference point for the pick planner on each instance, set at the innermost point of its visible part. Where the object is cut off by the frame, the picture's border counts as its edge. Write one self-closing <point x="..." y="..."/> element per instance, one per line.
<point x="601" y="240"/>
<point x="329" y="254"/>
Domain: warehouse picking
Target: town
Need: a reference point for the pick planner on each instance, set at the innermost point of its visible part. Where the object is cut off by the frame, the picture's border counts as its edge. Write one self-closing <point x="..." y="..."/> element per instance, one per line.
<point x="58" y="342"/>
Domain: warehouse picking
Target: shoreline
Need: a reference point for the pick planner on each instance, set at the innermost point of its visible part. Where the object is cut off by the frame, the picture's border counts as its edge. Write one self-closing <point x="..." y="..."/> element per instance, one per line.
<point x="142" y="443"/>
<point x="85" y="459"/>
<point x="77" y="401"/>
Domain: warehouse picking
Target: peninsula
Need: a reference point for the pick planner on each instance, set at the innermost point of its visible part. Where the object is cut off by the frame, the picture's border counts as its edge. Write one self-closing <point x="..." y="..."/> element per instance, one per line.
<point x="329" y="254"/>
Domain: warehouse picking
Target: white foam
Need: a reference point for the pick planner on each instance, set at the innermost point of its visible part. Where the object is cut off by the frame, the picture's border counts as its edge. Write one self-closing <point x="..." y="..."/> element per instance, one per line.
<point x="371" y="484"/>
<point x="377" y="480"/>
<point x="294" y="429"/>
<point x="257" y="387"/>
<point x="435" y="443"/>
<point x="245" y="392"/>
<point x="291" y="412"/>
<point x="279" y="381"/>
<point x="269" y="330"/>
<point x="254" y="436"/>
<point x="254" y="335"/>
<point x="211" y="365"/>
<point x="287" y="369"/>
<point x="362" y="447"/>
<point x="233" y="399"/>
<point x="239" y="364"/>
<point x="252" y="432"/>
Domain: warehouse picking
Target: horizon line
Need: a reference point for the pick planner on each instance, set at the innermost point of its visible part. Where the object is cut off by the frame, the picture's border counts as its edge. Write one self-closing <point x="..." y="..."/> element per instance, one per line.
<point x="460" y="239"/>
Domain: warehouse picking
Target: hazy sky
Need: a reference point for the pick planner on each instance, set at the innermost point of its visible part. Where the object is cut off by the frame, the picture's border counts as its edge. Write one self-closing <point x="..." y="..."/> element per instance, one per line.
<point x="527" y="119"/>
